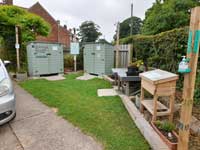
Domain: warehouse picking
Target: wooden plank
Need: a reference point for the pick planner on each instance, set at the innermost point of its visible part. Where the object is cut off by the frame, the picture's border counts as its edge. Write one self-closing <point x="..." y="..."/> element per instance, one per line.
<point x="149" y="105"/>
<point x="189" y="80"/>
<point x="145" y="128"/>
<point x="159" y="76"/>
<point x="171" y="107"/>
<point x="142" y="99"/>
<point x="148" y="86"/>
<point x="117" y="46"/>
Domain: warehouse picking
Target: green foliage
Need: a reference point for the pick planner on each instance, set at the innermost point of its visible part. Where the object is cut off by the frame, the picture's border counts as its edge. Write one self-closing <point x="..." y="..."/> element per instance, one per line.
<point x="80" y="59"/>
<point x="30" y="26"/>
<point x="68" y="61"/>
<point x="163" y="50"/>
<point x="125" y="26"/>
<point x="197" y="88"/>
<point x="103" y="41"/>
<point x="136" y="63"/>
<point x="166" y="15"/>
<point x="165" y="126"/>
<point x="89" y="31"/>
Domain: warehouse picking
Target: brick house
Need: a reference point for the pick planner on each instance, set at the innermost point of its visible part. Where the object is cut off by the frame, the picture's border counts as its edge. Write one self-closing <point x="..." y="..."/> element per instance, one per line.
<point x="58" y="34"/>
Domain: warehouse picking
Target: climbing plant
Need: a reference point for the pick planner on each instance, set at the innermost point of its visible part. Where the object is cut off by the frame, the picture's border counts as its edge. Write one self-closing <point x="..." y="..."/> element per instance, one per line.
<point x="30" y="26"/>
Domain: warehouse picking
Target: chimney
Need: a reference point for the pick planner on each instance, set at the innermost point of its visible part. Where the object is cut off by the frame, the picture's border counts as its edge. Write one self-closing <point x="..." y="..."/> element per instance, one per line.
<point x="8" y="2"/>
<point x="65" y="27"/>
<point x="58" y="22"/>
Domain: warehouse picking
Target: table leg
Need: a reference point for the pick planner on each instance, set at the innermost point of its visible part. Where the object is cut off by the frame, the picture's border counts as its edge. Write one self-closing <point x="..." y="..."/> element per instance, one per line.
<point x="115" y="79"/>
<point x="119" y="84"/>
<point x="127" y="89"/>
<point x="171" y="107"/>
<point x="141" y="99"/>
<point x="155" y="107"/>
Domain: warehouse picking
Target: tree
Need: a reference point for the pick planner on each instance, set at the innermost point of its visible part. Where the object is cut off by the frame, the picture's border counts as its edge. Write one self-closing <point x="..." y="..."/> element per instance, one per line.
<point x="89" y="31"/>
<point x="125" y="26"/>
<point x="30" y="26"/>
<point x="167" y="14"/>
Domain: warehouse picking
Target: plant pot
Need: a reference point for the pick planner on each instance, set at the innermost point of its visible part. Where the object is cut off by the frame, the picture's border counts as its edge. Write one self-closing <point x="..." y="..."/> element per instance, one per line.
<point x="132" y="71"/>
<point x="21" y="76"/>
<point x="171" y="145"/>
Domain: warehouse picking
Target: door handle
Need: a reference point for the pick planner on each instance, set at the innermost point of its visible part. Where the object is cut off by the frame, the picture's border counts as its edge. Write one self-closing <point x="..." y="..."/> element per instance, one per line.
<point x="93" y="53"/>
<point x="49" y="54"/>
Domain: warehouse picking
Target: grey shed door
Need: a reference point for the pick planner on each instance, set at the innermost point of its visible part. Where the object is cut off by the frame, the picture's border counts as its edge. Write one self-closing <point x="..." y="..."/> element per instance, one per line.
<point x="41" y="56"/>
<point x="54" y="58"/>
<point x="89" y="56"/>
<point x="99" y="63"/>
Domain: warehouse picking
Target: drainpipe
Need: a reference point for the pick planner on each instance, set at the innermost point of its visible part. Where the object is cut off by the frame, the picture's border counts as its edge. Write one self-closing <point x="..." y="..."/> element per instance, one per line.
<point x="58" y="33"/>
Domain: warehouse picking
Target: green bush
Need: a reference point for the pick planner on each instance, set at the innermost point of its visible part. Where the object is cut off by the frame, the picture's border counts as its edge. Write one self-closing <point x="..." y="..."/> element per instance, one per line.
<point x="163" y="50"/>
<point x="197" y="89"/>
<point x="165" y="126"/>
<point x="68" y="61"/>
<point x="80" y="59"/>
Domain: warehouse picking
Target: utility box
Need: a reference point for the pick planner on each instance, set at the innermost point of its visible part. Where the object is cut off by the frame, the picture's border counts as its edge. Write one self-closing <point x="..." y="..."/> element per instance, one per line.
<point x="45" y="58"/>
<point x="98" y="58"/>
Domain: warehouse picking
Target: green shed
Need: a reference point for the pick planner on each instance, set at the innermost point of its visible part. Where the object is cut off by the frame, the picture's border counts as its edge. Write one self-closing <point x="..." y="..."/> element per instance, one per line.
<point x="98" y="58"/>
<point x="45" y="58"/>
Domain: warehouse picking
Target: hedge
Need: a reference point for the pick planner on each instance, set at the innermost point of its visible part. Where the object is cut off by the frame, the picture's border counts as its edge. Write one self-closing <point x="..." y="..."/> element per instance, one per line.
<point x="163" y="51"/>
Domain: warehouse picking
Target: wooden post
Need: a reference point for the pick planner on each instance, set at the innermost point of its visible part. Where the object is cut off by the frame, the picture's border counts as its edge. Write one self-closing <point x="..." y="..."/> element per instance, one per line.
<point x="189" y="79"/>
<point x="17" y="46"/>
<point x="117" y="46"/>
<point x="130" y="53"/>
<point x="75" y="68"/>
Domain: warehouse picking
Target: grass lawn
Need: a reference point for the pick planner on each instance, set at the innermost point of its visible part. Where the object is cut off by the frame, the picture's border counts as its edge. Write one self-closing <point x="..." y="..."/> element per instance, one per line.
<point x="104" y="118"/>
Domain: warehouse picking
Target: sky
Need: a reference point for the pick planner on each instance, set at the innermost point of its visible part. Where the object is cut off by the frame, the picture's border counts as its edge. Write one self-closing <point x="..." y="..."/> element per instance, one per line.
<point x="105" y="13"/>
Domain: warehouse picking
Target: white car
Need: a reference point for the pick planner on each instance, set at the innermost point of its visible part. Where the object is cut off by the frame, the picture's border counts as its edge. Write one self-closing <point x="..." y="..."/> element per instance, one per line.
<point x="7" y="96"/>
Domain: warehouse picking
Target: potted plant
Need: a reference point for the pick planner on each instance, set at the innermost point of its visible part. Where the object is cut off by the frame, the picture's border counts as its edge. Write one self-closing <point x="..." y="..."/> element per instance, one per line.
<point x="166" y="131"/>
<point x="21" y="74"/>
<point x="133" y="68"/>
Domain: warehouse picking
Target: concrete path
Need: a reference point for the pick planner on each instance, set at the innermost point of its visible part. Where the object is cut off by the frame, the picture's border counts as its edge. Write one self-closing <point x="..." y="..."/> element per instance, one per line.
<point x="37" y="127"/>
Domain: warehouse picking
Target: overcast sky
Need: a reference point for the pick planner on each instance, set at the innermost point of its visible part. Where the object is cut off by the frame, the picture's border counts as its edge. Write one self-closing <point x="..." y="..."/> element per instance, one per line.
<point x="105" y="13"/>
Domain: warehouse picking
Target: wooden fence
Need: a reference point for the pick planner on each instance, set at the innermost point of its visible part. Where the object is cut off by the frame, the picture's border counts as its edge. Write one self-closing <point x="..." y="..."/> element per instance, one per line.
<point x="125" y="55"/>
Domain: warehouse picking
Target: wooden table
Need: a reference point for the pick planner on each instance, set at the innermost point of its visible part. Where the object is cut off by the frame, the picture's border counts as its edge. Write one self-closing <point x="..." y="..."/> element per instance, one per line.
<point x="158" y="83"/>
<point x="117" y="71"/>
<point x="123" y="78"/>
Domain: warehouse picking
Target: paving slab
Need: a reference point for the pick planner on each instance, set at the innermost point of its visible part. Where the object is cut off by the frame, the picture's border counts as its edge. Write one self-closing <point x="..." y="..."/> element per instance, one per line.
<point x="50" y="132"/>
<point x="55" y="78"/>
<point x="51" y="78"/>
<point x="106" y="92"/>
<point x="27" y="106"/>
<point x="86" y="77"/>
<point x="37" y="127"/>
